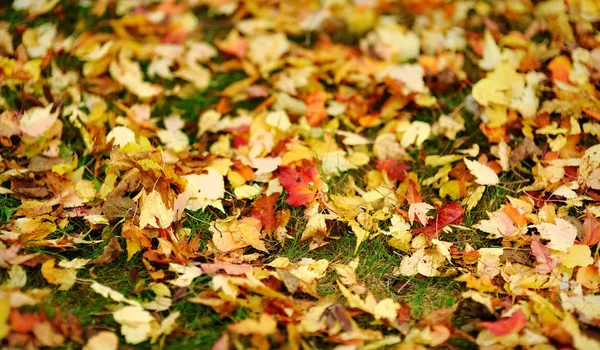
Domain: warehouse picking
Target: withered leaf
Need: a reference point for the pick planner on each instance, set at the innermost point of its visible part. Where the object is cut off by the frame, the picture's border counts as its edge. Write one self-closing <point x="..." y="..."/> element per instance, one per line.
<point x="118" y="207"/>
<point x="291" y="282"/>
<point x="523" y="150"/>
<point x="110" y="252"/>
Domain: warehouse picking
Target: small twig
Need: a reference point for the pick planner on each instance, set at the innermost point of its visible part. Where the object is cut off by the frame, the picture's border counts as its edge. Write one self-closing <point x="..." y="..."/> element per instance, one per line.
<point x="506" y="189"/>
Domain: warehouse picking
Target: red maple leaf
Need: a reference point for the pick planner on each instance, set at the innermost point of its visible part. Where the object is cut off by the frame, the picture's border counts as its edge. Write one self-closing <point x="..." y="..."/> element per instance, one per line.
<point x="450" y="213"/>
<point x="265" y="206"/>
<point x="591" y="230"/>
<point x="507" y="325"/>
<point x="300" y="182"/>
<point x="394" y="169"/>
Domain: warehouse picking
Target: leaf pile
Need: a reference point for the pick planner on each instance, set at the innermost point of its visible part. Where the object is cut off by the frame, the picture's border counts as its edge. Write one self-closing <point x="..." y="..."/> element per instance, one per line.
<point x="200" y="138"/>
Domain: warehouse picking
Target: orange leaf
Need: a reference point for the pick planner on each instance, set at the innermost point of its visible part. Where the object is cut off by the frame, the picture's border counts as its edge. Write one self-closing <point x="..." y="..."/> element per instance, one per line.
<point x="412" y="194"/>
<point x="23" y="322"/>
<point x="301" y="183"/>
<point x="591" y="230"/>
<point x="315" y="107"/>
<point x="515" y="215"/>
<point x="560" y="67"/>
<point x="266" y="209"/>
<point x="507" y="325"/>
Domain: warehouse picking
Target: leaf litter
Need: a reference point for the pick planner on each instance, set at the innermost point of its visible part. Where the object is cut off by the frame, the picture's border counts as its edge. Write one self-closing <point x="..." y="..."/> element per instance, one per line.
<point x="102" y="151"/>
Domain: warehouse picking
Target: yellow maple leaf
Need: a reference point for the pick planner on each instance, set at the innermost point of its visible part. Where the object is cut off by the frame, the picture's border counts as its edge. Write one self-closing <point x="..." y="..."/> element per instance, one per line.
<point x="154" y="212"/>
<point x="484" y="175"/>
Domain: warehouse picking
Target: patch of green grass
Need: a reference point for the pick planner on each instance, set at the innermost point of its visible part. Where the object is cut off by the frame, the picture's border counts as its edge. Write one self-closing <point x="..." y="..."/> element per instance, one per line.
<point x="8" y="206"/>
<point x="424" y="294"/>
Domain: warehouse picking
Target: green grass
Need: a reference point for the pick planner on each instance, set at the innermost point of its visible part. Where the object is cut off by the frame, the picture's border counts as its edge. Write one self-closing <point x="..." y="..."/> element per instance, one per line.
<point x="8" y="206"/>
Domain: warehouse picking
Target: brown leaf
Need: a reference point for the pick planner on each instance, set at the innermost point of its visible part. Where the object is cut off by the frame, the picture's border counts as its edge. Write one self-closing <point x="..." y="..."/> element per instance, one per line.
<point x="30" y="188"/>
<point x="524" y="150"/>
<point x="266" y="209"/>
<point x="290" y="281"/>
<point x="110" y="252"/>
<point x="69" y="326"/>
<point x="591" y="230"/>
<point x="117" y="207"/>
<point x="42" y="163"/>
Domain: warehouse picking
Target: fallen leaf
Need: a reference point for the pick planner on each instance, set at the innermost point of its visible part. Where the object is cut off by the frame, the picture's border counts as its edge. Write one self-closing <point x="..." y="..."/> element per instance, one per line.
<point x="419" y="211"/>
<point x="301" y="183"/>
<point x="103" y="340"/>
<point x="484" y="175"/>
<point x="507" y="325"/>
<point x="450" y="213"/>
<point x="135" y="323"/>
<point x="65" y="278"/>
<point x="154" y="212"/>
<point x="265" y="325"/>
<point x="591" y="230"/>
<point x="110" y="252"/>
<point x="561" y="234"/>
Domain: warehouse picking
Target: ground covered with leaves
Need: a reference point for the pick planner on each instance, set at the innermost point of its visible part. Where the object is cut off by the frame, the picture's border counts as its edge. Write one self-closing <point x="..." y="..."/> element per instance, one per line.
<point x="300" y="174"/>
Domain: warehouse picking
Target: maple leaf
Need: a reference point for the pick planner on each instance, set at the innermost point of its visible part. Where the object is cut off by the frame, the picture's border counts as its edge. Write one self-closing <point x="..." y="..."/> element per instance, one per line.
<point x="234" y="44"/>
<point x="419" y="211"/>
<point x="484" y="175"/>
<point x="450" y="213"/>
<point x="542" y="256"/>
<point x="110" y="252"/>
<point x="35" y="7"/>
<point x="65" y="278"/>
<point x="507" y="325"/>
<point x="301" y="182"/>
<point x="499" y="225"/>
<point x="238" y="234"/>
<point x="316" y="111"/>
<point x="394" y="169"/>
<point x="561" y="234"/>
<point x="266" y="208"/>
<point x="265" y="325"/>
<point x="135" y="238"/>
<point x="591" y="230"/>
<point x="412" y="193"/>
<point x="130" y="75"/>
<point x="154" y="212"/>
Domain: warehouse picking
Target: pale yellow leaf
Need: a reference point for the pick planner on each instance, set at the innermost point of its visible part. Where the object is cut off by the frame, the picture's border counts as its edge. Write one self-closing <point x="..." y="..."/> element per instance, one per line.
<point x="154" y="212"/>
<point x="561" y="234"/>
<point x="416" y="134"/>
<point x="279" y="120"/>
<point x="419" y="211"/>
<point x="187" y="274"/>
<point x="135" y="323"/>
<point x="484" y="175"/>
<point x="491" y="52"/>
<point x="103" y="340"/>
<point x="37" y="120"/>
